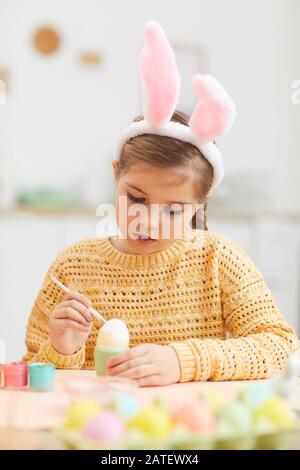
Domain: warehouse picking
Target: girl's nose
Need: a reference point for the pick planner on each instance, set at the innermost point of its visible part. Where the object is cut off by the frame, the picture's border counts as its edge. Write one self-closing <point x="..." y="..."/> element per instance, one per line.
<point x="149" y="223"/>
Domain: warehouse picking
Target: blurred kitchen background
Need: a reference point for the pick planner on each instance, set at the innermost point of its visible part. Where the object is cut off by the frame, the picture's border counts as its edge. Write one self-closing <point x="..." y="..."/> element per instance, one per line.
<point x="70" y="82"/>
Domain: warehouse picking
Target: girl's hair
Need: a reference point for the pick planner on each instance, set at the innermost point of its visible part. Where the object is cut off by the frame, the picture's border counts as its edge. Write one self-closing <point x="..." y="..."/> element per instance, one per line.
<point x="167" y="152"/>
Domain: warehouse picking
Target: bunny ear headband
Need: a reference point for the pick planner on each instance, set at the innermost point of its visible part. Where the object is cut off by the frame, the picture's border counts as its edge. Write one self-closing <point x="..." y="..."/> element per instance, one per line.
<point x="212" y="117"/>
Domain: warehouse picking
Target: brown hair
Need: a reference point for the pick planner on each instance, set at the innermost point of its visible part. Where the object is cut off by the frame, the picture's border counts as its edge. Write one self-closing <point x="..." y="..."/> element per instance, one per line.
<point x="166" y="152"/>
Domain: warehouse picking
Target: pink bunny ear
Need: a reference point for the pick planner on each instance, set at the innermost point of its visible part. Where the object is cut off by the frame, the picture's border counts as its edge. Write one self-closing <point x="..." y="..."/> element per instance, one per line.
<point x="215" y="112"/>
<point x="160" y="77"/>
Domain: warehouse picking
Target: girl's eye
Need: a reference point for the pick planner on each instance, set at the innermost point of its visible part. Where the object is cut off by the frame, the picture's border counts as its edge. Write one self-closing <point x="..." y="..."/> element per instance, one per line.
<point x="167" y="209"/>
<point x="171" y="211"/>
<point x="136" y="199"/>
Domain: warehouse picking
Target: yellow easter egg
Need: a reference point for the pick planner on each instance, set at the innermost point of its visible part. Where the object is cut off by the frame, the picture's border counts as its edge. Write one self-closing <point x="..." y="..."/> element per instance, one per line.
<point x="277" y="412"/>
<point x="213" y="399"/>
<point x="80" y="412"/>
<point x="153" y="421"/>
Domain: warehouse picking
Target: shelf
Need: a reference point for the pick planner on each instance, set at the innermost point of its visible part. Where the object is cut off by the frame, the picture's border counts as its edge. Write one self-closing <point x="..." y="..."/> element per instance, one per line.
<point x="218" y="213"/>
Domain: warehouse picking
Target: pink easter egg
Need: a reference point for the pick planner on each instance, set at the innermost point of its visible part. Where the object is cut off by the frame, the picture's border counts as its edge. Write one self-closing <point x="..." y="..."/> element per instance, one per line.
<point x="196" y="416"/>
<point x="105" y="426"/>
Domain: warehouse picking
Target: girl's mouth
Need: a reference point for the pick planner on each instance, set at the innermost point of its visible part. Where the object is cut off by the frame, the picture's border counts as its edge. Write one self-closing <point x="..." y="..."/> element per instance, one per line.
<point x="143" y="239"/>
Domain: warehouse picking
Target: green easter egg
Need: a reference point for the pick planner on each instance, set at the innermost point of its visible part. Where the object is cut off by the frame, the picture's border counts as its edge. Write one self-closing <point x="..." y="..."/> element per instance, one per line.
<point x="234" y="418"/>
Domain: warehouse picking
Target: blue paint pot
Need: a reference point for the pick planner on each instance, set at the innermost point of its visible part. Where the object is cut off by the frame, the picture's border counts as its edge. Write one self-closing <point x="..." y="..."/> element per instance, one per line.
<point x="41" y="376"/>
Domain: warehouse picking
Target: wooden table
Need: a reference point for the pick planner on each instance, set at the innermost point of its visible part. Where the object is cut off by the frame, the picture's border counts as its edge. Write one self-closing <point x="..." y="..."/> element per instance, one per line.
<point x="26" y="418"/>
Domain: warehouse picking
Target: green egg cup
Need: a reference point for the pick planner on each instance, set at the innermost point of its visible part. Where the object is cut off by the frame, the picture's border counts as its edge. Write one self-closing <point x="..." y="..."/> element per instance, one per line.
<point x="101" y="355"/>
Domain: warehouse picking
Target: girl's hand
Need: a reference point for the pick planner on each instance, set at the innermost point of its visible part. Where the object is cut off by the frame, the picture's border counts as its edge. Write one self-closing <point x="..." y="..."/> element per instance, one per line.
<point x="147" y="364"/>
<point x="70" y="323"/>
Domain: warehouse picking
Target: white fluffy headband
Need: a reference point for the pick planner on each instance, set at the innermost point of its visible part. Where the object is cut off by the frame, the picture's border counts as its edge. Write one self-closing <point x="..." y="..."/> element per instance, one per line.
<point x="213" y="115"/>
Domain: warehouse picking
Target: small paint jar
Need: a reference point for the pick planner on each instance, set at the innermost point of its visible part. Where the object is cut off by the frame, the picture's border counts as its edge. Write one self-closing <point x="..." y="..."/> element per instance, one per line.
<point x="16" y="374"/>
<point x="41" y="376"/>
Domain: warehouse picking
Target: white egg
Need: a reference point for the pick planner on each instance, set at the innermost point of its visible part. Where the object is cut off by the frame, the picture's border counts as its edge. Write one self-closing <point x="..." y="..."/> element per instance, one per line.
<point x="113" y="334"/>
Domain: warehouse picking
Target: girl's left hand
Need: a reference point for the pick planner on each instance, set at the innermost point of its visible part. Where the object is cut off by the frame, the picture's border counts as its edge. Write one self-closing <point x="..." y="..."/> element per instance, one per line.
<point x="147" y="364"/>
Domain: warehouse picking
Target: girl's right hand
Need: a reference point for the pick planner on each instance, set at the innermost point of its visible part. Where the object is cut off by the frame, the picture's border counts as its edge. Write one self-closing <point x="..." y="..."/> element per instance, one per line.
<point x="70" y="323"/>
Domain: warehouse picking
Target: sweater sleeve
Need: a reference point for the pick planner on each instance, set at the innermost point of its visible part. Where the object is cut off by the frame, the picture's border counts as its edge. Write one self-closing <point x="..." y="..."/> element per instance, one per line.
<point x="261" y="340"/>
<point x="39" y="347"/>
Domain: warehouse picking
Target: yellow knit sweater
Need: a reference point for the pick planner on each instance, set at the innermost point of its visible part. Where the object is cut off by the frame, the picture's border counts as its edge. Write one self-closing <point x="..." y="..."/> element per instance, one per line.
<point x="202" y="295"/>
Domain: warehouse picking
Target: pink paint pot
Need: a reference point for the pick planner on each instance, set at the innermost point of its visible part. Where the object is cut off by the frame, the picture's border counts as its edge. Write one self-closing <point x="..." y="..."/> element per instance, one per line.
<point x="16" y="374"/>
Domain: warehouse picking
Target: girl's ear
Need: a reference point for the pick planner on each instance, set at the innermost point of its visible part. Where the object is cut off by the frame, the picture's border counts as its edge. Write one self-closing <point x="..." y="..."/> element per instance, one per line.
<point x="115" y="165"/>
<point x="160" y="78"/>
<point x="215" y="111"/>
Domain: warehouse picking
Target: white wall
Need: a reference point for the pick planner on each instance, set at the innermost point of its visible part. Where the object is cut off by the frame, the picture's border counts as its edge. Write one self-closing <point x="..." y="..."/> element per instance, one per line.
<point x="61" y="118"/>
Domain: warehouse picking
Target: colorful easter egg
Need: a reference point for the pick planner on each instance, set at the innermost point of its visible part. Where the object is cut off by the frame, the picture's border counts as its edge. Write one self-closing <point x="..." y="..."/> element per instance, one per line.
<point x="235" y="418"/>
<point x="105" y="426"/>
<point x="277" y="412"/>
<point x="153" y="420"/>
<point x="196" y="416"/>
<point x="126" y="406"/>
<point x="80" y="412"/>
<point x="214" y="400"/>
<point x="255" y="394"/>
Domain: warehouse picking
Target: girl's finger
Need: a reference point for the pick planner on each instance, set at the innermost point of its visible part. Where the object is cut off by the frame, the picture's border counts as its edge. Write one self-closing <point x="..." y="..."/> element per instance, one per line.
<point x="139" y="372"/>
<point x="130" y="364"/>
<point x="127" y="355"/>
<point x="73" y="325"/>
<point x="150" y="381"/>
<point x="77" y="296"/>
<point x="68" y="313"/>
<point x="76" y="305"/>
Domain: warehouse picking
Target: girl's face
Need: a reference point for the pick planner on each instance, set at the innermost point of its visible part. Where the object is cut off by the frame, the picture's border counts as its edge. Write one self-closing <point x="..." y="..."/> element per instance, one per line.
<point x="153" y="207"/>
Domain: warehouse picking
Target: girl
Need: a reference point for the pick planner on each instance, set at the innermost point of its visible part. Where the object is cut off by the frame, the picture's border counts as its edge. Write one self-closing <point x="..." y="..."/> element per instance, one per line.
<point x="196" y="306"/>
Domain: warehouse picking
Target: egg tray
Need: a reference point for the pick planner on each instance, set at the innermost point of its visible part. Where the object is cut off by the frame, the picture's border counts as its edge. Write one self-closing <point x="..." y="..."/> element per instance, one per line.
<point x="277" y="440"/>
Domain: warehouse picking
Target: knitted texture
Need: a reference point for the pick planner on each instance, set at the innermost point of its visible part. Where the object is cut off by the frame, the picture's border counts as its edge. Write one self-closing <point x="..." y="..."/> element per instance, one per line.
<point x="202" y="295"/>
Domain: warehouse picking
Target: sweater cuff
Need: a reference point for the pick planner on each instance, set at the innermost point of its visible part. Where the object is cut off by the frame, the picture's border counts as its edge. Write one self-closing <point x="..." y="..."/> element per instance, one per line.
<point x="193" y="359"/>
<point x="62" y="361"/>
<point x="186" y="360"/>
